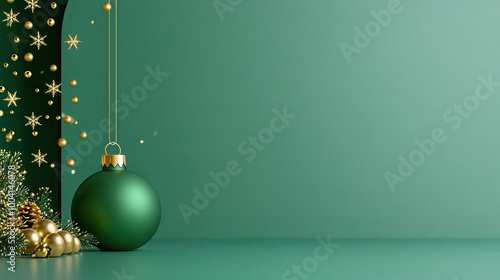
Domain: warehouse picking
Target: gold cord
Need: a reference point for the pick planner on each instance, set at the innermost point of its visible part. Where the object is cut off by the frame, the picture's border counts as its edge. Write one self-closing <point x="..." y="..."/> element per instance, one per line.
<point x="116" y="73"/>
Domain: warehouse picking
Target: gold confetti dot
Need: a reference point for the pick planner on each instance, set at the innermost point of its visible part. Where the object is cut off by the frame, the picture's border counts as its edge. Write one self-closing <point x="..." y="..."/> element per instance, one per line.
<point x="53" y="5"/>
<point x="75" y="122"/>
<point x="28" y="25"/>
<point x="12" y="112"/>
<point x="72" y="83"/>
<point x="14" y="73"/>
<point x="14" y="57"/>
<point x="73" y="172"/>
<point x="17" y="40"/>
<point x="83" y="135"/>
<point x="27" y="74"/>
<point x="24" y="172"/>
<point x="4" y="129"/>
<point x="71" y="162"/>
<point x="5" y="65"/>
<point x="10" y="1"/>
<point x="58" y="118"/>
<point x="37" y="90"/>
<point x="142" y="141"/>
<point x="74" y="99"/>
<point x="2" y="89"/>
<point x="34" y="133"/>
<point x="47" y="117"/>
<point x="68" y="119"/>
<point x="62" y="142"/>
<point x="53" y="68"/>
<point x="107" y="7"/>
<point x="91" y="22"/>
<point x="8" y="137"/>
<point x="1" y="113"/>
<point x="50" y="102"/>
<point x="28" y="57"/>
<point x="52" y="165"/>
<point x="51" y="22"/>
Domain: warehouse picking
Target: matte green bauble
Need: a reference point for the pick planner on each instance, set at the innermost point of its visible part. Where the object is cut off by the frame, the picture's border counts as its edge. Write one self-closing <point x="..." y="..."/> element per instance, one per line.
<point x="117" y="206"/>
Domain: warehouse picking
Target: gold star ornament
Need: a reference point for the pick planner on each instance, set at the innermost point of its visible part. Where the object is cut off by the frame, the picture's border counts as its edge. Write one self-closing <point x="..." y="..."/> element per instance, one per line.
<point x="53" y="88"/>
<point x="11" y="18"/>
<point x="39" y="158"/>
<point x="11" y="99"/>
<point x="33" y="121"/>
<point x="73" y="42"/>
<point x="32" y="4"/>
<point x="38" y="40"/>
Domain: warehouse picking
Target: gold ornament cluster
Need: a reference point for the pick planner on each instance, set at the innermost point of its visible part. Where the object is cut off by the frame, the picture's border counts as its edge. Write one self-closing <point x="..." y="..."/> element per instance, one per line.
<point x="45" y="240"/>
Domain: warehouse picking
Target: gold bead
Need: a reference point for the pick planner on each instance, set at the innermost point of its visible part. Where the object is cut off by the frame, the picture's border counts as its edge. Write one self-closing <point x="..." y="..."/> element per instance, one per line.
<point x="12" y="112"/>
<point x="75" y="122"/>
<point x="28" y="25"/>
<point x="17" y="40"/>
<point x="14" y="57"/>
<point x="34" y="133"/>
<point x="74" y="99"/>
<point x="71" y="162"/>
<point x="28" y="57"/>
<point x="73" y="172"/>
<point x="8" y="137"/>
<point x="83" y="135"/>
<point x="37" y="90"/>
<point x="5" y="65"/>
<point x="53" y="5"/>
<point x="1" y="113"/>
<point x="53" y="68"/>
<point x="4" y="129"/>
<point x="27" y="74"/>
<point x="10" y="1"/>
<point x="91" y="22"/>
<point x="14" y="73"/>
<point x="2" y="89"/>
<point x="47" y="117"/>
<point x="62" y="142"/>
<point x="58" y="118"/>
<point x="51" y="22"/>
<point x="107" y="7"/>
<point x="50" y="102"/>
<point x="12" y="133"/>
<point x="68" y="119"/>
<point x="52" y="165"/>
<point x="72" y="83"/>
<point x="24" y="172"/>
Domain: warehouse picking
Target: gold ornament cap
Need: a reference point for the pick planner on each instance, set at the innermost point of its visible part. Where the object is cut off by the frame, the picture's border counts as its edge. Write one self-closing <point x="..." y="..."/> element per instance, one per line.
<point x="113" y="160"/>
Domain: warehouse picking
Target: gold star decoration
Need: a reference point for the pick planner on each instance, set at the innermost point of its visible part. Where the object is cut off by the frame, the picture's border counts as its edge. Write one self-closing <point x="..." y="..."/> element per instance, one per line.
<point x="53" y="88"/>
<point x="39" y="158"/>
<point x="73" y="42"/>
<point x="12" y="98"/>
<point x="33" y="120"/>
<point x="32" y="4"/>
<point x="11" y="18"/>
<point x="38" y="40"/>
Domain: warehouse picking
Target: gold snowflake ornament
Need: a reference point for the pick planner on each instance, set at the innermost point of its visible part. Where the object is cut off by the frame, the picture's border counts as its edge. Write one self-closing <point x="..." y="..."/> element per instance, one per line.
<point x="73" y="42"/>
<point x="11" y="18"/>
<point x="33" y="121"/>
<point x="32" y="4"/>
<point x="38" y="40"/>
<point x="53" y="88"/>
<point x="11" y="99"/>
<point x="39" y="158"/>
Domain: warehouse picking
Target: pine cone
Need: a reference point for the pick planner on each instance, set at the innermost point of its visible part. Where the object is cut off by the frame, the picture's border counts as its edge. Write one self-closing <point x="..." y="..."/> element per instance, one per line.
<point x="29" y="213"/>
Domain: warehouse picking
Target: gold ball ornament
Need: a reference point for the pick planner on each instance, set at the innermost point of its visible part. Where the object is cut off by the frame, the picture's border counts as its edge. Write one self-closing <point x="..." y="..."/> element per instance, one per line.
<point x="28" y="25"/>
<point x="58" y="118"/>
<point x="68" y="119"/>
<point x="50" y="102"/>
<point x="53" y="5"/>
<point x="51" y="22"/>
<point x="41" y="252"/>
<point x="77" y="245"/>
<point x="56" y="244"/>
<point x="14" y="57"/>
<point x="17" y="40"/>
<point x="83" y="135"/>
<point x="62" y="142"/>
<point x="28" y="74"/>
<point x="53" y="68"/>
<point x="52" y="165"/>
<point x="107" y="7"/>
<point x="33" y="238"/>
<point x="71" y="162"/>
<point x="69" y="242"/>
<point x="45" y="227"/>
<point x="28" y="57"/>
<point x="2" y="89"/>
<point x="74" y="100"/>
<point x="72" y="83"/>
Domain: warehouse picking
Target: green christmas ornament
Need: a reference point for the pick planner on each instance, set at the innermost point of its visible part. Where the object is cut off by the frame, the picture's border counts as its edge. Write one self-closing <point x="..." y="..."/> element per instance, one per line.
<point x="117" y="206"/>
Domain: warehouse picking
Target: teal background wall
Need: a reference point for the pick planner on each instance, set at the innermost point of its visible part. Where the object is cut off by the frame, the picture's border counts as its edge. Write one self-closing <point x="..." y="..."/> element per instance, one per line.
<point x="325" y="173"/>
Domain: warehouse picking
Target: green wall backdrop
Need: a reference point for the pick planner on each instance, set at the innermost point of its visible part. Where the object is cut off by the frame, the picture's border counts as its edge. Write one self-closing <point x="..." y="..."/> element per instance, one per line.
<point x="424" y="73"/>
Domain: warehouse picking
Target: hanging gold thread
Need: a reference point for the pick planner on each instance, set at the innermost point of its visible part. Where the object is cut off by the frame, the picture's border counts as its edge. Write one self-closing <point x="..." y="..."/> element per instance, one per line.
<point x="116" y="73"/>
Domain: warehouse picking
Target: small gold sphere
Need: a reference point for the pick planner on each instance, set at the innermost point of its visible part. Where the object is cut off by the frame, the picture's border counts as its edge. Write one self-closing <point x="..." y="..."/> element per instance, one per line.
<point x="83" y="135"/>
<point x="73" y="172"/>
<point x="107" y="7"/>
<point x="14" y="73"/>
<point x="75" y="122"/>
<point x="5" y="65"/>
<point x="71" y="162"/>
<point x="8" y="137"/>
<point x="53" y="68"/>
<point x="74" y="99"/>
<point x="72" y="83"/>
<point x="58" y="118"/>
<point x="14" y="57"/>
<point x="50" y="102"/>
<point x="53" y="5"/>
<point x="37" y="90"/>
<point x="10" y="1"/>
<point x="62" y="142"/>
<point x="27" y="74"/>
<point x="68" y="119"/>
<point x="52" y="165"/>
<point x="34" y="133"/>
<point x="2" y="89"/>
<point x="51" y="22"/>
<point x="28" y="25"/>
<point x="12" y="112"/>
<point x="4" y="129"/>
<point x="24" y="172"/>
<point x="47" y="117"/>
<point x="91" y="22"/>
<point x="17" y="40"/>
<point x="28" y="57"/>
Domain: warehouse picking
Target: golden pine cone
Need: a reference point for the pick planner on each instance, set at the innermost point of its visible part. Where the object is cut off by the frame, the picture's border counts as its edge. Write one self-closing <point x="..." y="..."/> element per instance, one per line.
<point x="29" y="213"/>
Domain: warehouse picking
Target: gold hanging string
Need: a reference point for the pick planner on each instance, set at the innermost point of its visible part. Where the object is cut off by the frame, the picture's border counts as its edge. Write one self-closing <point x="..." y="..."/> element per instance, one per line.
<point x="116" y="73"/>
